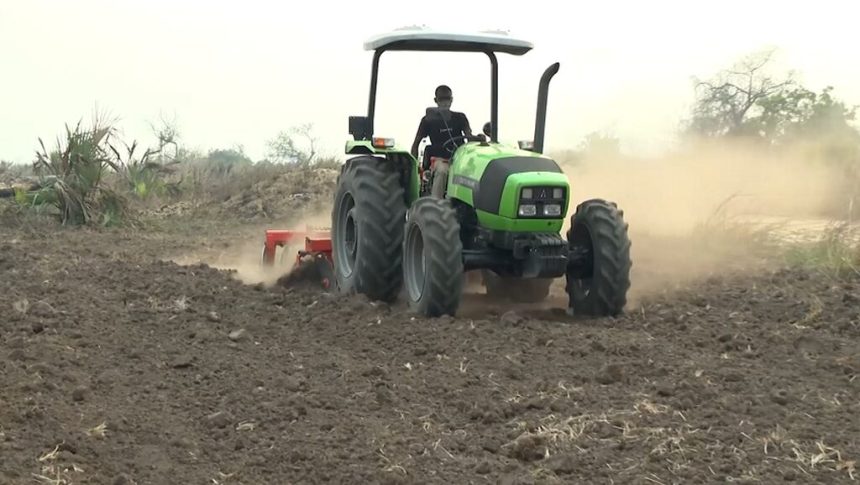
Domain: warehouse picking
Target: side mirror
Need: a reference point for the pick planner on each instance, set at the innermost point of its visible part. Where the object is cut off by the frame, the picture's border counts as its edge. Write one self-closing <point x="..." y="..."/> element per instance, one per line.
<point x="488" y="129"/>
<point x="359" y="127"/>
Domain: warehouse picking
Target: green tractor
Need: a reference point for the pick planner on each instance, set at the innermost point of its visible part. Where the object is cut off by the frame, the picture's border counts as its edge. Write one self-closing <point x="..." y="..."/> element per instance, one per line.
<point x="490" y="207"/>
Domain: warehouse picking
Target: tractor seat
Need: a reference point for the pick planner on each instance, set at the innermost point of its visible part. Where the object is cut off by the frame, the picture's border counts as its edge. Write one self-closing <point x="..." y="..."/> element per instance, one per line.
<point x="430" y="160"/>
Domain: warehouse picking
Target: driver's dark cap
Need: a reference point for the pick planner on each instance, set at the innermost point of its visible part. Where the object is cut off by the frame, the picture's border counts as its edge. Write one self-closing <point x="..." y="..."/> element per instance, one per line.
<point x="443" y="92"/>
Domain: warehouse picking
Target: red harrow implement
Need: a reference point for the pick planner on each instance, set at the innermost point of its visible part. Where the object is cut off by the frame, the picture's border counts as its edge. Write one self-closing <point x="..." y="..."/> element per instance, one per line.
<point x="314" y="260"/>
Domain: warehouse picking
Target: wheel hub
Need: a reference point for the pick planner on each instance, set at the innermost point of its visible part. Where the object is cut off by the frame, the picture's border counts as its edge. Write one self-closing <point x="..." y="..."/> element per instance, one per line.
<point x="346" y="243"/>
<point x="351" y="234"/>
<point x="415" y="263"/>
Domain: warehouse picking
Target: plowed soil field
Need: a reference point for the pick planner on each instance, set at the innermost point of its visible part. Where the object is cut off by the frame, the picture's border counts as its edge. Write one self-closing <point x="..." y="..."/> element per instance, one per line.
<point x="119" y="365"/>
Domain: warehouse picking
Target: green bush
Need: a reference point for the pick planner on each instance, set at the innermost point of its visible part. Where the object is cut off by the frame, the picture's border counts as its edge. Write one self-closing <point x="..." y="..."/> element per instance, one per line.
<point x="72" y="177"/>
<point x="87" y="180"/>
<point x="836" y="253"/>
<point x="143" y="176"/>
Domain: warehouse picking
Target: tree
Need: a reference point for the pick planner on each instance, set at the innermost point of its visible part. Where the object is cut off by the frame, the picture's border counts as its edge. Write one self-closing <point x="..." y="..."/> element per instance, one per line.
<point x="167" y="133"/>
<point x="825" y="115"/>
<point x="284" y="148"/>
<point x="746" y="101"/>
<point x="224" y="161"/>
<point x="601" y="145"/>
<point x="725" y="104"/>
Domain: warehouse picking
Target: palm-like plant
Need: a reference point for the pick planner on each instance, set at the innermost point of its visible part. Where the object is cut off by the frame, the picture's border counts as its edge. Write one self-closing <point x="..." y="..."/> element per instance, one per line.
<point x="143" y="175"/>
<point x="72" y="176"/>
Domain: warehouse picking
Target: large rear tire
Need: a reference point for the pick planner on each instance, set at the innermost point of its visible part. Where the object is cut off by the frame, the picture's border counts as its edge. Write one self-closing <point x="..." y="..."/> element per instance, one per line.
<point x="519" y="290"/>
<point x="367" y="229"/>
<point x="598" y="285"/>
<point x="433" y="258"/>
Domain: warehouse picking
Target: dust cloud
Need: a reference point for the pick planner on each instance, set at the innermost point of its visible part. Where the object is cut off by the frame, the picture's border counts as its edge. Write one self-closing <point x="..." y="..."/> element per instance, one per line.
<point x="702" y="210"/>
<point x="706" y="208"/>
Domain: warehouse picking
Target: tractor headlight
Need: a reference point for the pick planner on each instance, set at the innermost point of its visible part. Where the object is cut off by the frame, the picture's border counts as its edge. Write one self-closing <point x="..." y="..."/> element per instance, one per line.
<point x="528" y="210"/>
<point x="541" y="201"/>
<point x="552" y="209"/>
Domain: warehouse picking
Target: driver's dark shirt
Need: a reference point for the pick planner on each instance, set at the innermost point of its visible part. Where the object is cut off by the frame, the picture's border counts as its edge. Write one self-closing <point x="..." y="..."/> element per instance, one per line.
<point x="435" y="127"/>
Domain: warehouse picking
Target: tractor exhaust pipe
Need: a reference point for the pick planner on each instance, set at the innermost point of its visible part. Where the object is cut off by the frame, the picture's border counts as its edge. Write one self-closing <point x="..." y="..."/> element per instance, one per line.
<point x="543" y="94"/>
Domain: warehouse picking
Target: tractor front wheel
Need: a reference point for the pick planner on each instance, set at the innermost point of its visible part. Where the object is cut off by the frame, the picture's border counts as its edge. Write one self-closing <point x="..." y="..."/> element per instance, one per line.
<point x="598" y="276"/>
<point x="433" y="258"/>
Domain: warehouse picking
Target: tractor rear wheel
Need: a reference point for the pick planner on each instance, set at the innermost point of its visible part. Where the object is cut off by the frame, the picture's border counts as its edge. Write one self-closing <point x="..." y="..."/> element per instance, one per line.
<point x="433" y="258"/>
<point x="598" y="281"/>
<point x="519" y="290"/>
<point x="367" y="229"/>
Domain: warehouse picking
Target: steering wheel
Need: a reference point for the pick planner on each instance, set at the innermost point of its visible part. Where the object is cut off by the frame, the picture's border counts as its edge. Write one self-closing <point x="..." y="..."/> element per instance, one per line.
<point x="449" y="145"/>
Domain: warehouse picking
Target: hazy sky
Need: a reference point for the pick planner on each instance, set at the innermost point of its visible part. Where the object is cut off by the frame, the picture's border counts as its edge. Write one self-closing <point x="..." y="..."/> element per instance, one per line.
<point x="238" y="72"/>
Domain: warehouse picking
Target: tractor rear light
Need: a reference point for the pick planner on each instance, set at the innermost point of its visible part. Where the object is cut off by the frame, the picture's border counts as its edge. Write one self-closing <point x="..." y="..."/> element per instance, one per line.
<point x="526" y="144"/>
<point x="528" y="210"/>
<point x="558" y="193"/>
<point x="383" y="142"/>
<point x="552" y="210"/>
<point x="527" y="193"/>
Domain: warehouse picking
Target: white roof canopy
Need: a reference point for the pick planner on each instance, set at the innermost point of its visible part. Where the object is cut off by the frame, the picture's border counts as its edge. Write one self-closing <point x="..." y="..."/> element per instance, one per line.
<point x="421" y="39"/>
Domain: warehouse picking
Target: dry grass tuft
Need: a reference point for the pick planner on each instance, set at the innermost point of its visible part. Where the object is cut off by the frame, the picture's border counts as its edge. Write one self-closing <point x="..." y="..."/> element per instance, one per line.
<point x="53" y="473"/>
<point x="836" y="252"/>
<point x="246" y="426"/>
<point x="558" y="434"/>
<point x="651" y="408"/>
<point x="822" y="456"/>
<point x="808" y="456"/>
<point x="99" y="431"/>
<point x="51" y="455"/>
<point x="727" y="234"/>
<point x="664" y="435"/>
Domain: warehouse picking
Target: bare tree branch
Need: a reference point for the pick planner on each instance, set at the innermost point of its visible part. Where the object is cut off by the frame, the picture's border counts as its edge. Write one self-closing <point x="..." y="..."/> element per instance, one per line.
<point x="725" y="103"/>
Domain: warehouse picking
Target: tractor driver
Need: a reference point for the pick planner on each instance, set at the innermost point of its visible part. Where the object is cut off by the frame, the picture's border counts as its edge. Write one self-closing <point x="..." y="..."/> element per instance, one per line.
<point x="441" y="125"/>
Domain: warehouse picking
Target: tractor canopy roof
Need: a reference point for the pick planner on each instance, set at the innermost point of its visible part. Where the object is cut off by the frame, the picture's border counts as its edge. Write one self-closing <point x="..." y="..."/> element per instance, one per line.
<point x="422" y="39"/>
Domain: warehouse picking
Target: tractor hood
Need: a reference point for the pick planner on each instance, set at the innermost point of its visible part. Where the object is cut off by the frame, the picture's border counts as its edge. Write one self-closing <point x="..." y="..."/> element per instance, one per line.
<point x="491" y="178"/>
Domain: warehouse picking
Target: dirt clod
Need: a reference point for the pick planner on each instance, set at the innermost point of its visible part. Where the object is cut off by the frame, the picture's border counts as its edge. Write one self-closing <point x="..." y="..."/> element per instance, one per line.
<point x="42" y="309"/>
<point x="610" y="374"/>
<point x="18" y="355"/>
<point x="238" y="335"/>
<point x="121" y="479"/>
<point x="512" y="318"/>
<point x="562" y="464"/>
<point x="79" y="394"/>
<point x="527" y="447"/>
<point x="219" y="419"/>
<point x="781" y="397"/>
<point x="182" y="362"/>
<point x="293" y="384"/>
